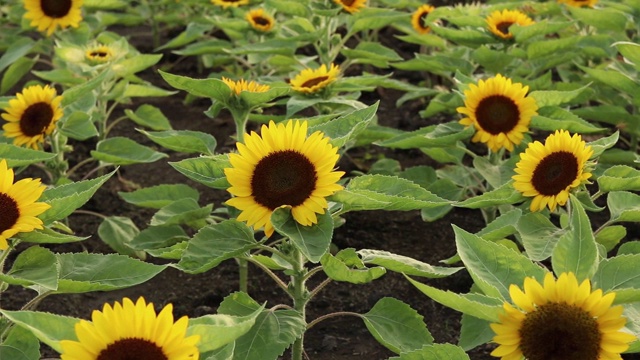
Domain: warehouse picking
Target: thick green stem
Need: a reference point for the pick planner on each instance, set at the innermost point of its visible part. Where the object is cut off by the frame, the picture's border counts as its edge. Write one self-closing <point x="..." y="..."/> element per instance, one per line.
<point x="243" y="275"/>
<point x="300" y="298"/>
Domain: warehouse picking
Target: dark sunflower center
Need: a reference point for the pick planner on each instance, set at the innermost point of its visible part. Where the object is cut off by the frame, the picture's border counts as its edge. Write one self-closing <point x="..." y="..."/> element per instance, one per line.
<point x="558" y="331"/>
<point x="231" y="1"/>
<point x="259" y="20"/>
<point x="423" y="20"/>
<point x="9" y="212"/>
<point x="504" y="26"/>
<point x="132" y="349"/>
<point x="56" y="8"/>
<point x="555" y="172"/>
<point x="315" y="81"/>
<point x="283" y="178"/>
<point x="497" y="114"/>
<point x="348" y="2"/>
<point x="99" y="54"/>
<point x="36" y="118"/>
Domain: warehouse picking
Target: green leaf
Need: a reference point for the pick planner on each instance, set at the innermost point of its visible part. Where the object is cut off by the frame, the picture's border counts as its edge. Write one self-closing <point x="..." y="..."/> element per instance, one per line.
<point x="49" y="328"/>
<point x="193" y="32"/>
<point x="156" y="197"/>
<point x="20" y="156"/>
<point x="495" y="174"/>
<point x="218" y="330"/>
<point x="505" y="194"/>
<point x="207" y="170"/>
<point x="34" y="266"/>
<point x="466" y="37"/>
<point x="380" y="192"/>
<point x="158" y="237"/>
<point x="631" y="51"/>
<point x="619" y="178"/>
<point x="539" y="49"/>
<point x="20" y="344"/>
<point x="554" y="118"/>
<point x="602" y="144"/>
<point x="149" y="116"/>
<point x="620" y="274"/>
<point x="337" y="270"/>
<point x="184" y="141"/>
<point x="15" y="51"/>
<point x="404" y="264"/>
<point x="494" y="264"/>
<point x="184" y="211"/>
<point x="374" y="18"/>
<point x="135" y="90"/>
<point x="538" y="235"/>
<point x="539" y="28"/>
<point x="347" y="127"/>
<point x="117" y="232"/>
<point x="397" y="326"/>
<point x="124" y="151"/>
<point x="374" y="53"/>
<point x="313" y="241"/>
<point x="576" y="250"/>
<point x="15" y="72"/>
<point x="224" y="353"/>
<point x="71" y="95"/>
<point x="615" y="79"/>
<point x="555" y="97"/>
<point x="502" y="226"/>
<point x="78" y="126"/>
<point x="134" y="64"/>
<point x="601" y="19"/>
<point x="208" y="88"/>
<point x="478" y="305"/>
<point x="623" y="206"/>
<point x="48" y="236"/>
<point x="65" y="199"/>
<point x="610" y="236"/>
<point x="443" y="135"/>
<point x="434" y="352"/>
<point x="216" y="243"/>
<point x="474" y="332"/>
<point x="83" y="272"/>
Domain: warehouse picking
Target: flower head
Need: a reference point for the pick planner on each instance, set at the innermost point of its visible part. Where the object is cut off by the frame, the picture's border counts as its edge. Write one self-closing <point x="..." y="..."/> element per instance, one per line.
<point x="500" y="21"/>
<point x="32" y="115"/>
<point x="579" y="3"/>
<point x="419" y="17"/>
<point x="18" y="206"/>
<point x="99" y="54"/>
<point x="50" y="14"/>
<point x="230" y="3"/>
<point x="560" y="319"/>
<point x="312" y="80"/>
<point x="282" y="167"/>
<point x="242" y="85"/>
<point x="131" y="331"/>
<point x="548" y="172"/>
<point x="499" y="110"/>
<point x="260" y="20"/>
<point x="351" y="6"/>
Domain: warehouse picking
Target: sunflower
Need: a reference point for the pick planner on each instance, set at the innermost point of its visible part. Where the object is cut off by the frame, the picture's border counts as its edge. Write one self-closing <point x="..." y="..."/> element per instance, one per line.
<point x="260" y="20"/>
<point x="560" y="319"/>
<point x="32" y="115"/>
<point x="242" y="85"/>
<point x="49" y="14"/>
<point x="419" y="17"/>
<point x="312" y="80"/>
<point x="579" y="3"/>
<point x="548" y="172"/>
<point x="499" y="110"/>
<point x="98" y="54"/>
<point x="282" y="167"/>
<point x="18" y="206"/>
<point x="351" y="6"/>
<point x="230" y="3"/>
<point x="500" y="21"/>
<point x="131" y="331"/>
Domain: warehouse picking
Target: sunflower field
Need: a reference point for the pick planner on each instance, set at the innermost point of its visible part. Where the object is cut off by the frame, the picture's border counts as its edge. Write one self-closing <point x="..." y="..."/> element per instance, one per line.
<point x="410" y="179"/>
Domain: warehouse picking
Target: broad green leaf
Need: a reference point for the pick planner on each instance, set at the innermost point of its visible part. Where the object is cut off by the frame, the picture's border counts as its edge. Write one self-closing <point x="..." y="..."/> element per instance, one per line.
<point x="434" y="352"/>
<point x="134" y="64"/>
<point x="478" y="305"/>
<point x="193" y="32"/>
<point x="554" y="118"/>
<point x="15" y="51"/>
<point x="442" y="135"/>
<point x="601" y="19"/>
<point x="610" y="236"/>
<point x="397" y="326"/>
<point x="576" y="250"/>
<point x="494" y="61"/>
<point x="149" y="116"/>
<point x="465" y="37"/>
<point x="48" y="236"/>
<point x="494" y="264"/>
<point x="207" y="170"/>
<point x="223" y="353"/>
<point x="631" y="51"/>
<point x="505" y="194"/>
<point x="496" y="175"/>
<point x="65" y="199"/>
<point x="78" y="126"/>
<point x="218" y="330"/>
<point x="619" y="178"/>
<point x="620" y="274"/>
<point x="156" y="197"/>
<point x="374" y="53"/>
<point x="155" y="237"/>
<point x="184" y="141"/>
<point x="474" y="332"/>
<point x="135" y="90"/>
<point x="208" y="88"/>
<point x="20" y="344"/>
<point x="83" y="272"/>
<point x="629" y="248"/>
<point x="313" y="241"/>
<point x="251" y="100"/>
<point x="624" y="206"/>
<point x="124" y="151"/>
<point x="405" y="264"/>
<point x="602" y="144"/>
<point x="71" y="95"/>
<point x="376" y="192"/>
<point x="615" y="79"/>
<point x="20" y="156"/>
<point x="555" y="97"/>
<point x="117" y="232"/>
<point x="539" y="28"/>
<point x="502" y="226"/>
<point x="438" y="64"/>
<point x="49" y="328"/>
<point x="216" y="243"/>
<point x="184" y="211"/>
<point x="374" y="18"/>
<point x="546" y="47"/>
<point x="62" y="76"/>
<point x="538" y="235"/>
<point x="339" y="271"/>
<point x="280" y="46"/>
<point x="173" y="252"/>
<point x="300" y="9"/>
<point x="15" y="72"/>
<point x="347" y="127"/>
<point x="34" y="266"/>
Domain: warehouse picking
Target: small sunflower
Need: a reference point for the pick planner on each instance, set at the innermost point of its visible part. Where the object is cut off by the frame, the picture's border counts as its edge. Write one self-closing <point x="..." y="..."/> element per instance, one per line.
<point x="500" y="21"/>
<point x="499" y="110"/>
<point x="32" y="115"/>
<point x="260" y="20"/>
<point x="98" y="54"/>
<point x="18" y="206"/>
<point x="230" y="3"/>
<point x="131" y="331"/>
<point x="560" y="319"/>
<point x="351" y="6"/>
<point x="579" y="3"/>
<point x="242" y="85"/>
<point x="282" y="167"/>
<point x="548" y="172"/>
<point x="419" y="17"/>
<point x="312" y="80"/>
<point x="49" y="14"/>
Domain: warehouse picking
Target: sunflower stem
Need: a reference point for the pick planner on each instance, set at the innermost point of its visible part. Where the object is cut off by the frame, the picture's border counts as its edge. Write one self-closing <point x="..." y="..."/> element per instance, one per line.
<point x="243" y="275"/>
<point x="300" y="298"/>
